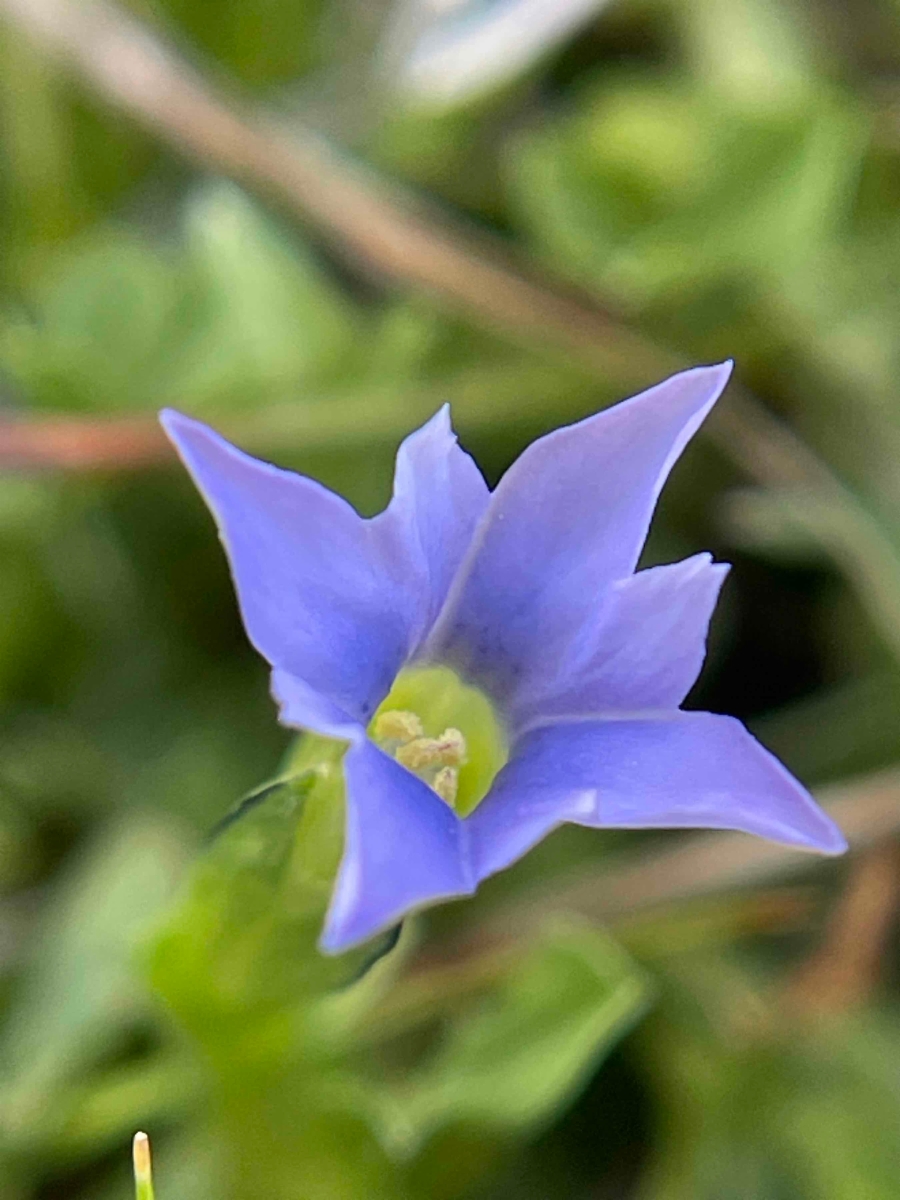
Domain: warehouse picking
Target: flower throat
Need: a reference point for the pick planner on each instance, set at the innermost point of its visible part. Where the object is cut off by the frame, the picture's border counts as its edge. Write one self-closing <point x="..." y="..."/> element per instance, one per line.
<point x="443" y="731"/>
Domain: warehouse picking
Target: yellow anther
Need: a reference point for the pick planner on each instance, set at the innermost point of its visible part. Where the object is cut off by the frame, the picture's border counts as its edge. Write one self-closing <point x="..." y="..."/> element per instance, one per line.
<point x="408" y="723"/>
<point x="446" y="783"/>
<point x="436" y="760"/>
<point x="397" y="726"/>
<point x="452" y="746"/>
<point x="420" y="754"/>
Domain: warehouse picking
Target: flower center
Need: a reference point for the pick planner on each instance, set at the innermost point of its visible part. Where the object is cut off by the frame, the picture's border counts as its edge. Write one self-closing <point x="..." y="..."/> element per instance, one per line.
<point x="445" y="732"/>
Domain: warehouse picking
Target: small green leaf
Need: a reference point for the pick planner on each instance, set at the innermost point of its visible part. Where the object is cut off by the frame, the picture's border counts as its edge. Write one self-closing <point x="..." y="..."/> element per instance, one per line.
<point x="516" y="1052"/>
<point x="80" y="1000"/>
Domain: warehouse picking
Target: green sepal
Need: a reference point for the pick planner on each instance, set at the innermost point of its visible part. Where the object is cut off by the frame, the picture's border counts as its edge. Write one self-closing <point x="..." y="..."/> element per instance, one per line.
<point x="238" y="957"/>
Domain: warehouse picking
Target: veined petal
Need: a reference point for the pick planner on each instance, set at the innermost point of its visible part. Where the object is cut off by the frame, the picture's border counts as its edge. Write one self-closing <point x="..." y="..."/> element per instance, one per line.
<point x="402" y="849"/>
<point x="439" y="497"/>
<point x="688" y="770"/>
<point x="315" y="594"/>
<point x="644" y="650"/>
<point x="567" y="520"/>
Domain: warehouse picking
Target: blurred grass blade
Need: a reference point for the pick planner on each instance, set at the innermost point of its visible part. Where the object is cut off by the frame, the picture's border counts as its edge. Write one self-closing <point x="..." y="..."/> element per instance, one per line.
<point x="143" y="1170"/>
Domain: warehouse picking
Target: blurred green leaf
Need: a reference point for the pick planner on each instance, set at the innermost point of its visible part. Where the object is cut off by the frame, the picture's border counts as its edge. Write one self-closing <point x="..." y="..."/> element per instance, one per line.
<point x="103" y="314"/>
<point x="80" y="1000"/>
<point x="266" y="42"/>
<point x="271" y="317"/>
<point x="753" y="51"/>
<point x="524" y="1050"/>
<point x="799" y="523"/>
<point x="511" y="1054"/>
<point x="655" y="188"/>
<point x="753" y="1105"/>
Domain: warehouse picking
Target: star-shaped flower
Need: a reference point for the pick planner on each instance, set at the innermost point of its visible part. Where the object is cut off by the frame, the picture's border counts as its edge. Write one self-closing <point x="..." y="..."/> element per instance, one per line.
<point x="561" y="655"/>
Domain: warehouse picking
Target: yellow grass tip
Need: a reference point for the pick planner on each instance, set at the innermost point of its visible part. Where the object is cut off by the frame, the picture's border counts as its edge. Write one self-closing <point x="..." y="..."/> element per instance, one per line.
<point x="140" y="1149"/>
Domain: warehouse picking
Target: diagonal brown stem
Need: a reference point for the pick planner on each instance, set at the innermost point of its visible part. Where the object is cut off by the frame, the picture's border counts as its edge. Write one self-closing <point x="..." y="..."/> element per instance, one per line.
<point x="383" y="227"/>
<point x="845" y="967"/>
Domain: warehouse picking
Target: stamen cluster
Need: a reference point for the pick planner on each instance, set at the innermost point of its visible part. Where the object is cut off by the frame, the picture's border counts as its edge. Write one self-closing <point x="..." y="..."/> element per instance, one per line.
<point x="436" y="761"/>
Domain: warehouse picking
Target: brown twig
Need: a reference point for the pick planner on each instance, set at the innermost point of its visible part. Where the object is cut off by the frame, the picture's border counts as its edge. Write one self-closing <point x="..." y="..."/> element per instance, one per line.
<point x="80" y="444"/>
<point x="383" y="227"/>
<point x="843" y="970"/>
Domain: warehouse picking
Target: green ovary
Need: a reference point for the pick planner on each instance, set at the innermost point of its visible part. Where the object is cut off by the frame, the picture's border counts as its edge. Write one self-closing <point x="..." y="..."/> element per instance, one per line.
<point x="445" y="732"/>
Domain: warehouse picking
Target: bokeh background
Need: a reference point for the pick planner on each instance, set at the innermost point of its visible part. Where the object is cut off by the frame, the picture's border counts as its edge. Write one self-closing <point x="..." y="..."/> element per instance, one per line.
<point x="311" y="222"/>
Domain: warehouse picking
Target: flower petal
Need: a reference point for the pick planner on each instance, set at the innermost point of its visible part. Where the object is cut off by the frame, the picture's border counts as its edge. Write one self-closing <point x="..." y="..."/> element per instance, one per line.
<point x="567" y="520"/>
<point x="689" y="770"/>
<point x="644" y="651"/>
<point x="315" y="595"/>
<point x="403" y="849"/>
<point x="302" y="707"/>
<point x="439" y="497"/>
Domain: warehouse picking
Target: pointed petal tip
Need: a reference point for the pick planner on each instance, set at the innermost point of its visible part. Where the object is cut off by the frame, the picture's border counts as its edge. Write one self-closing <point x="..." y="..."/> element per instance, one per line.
<point x="702" y="561"/>
<point x="722" y="373"/>
<point x="348" y="926"/>
<point x="182" y="430"/>
<point x="721" y="370"/>
<point x="436" y="431"/>
<point x="178" y="426"/>
<point x="340" y="934"/>
<point x="440" y="423"/>
<point x="812" y="829"/>
<point x="344" y="930"/>
<point x="199" y="445"/>
<point x="195" y="443"/>
<point x="832" y="842"/>
<point x="718" y="374"/>
<point x="171" y="418"/>
<point x="332" y="942"/>
<point x="443" y="420"/>
<point x="712" y="379"/>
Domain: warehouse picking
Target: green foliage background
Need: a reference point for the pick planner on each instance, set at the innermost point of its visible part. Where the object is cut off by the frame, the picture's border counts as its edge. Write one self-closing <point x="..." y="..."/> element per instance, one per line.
<point x="725" y="176"/>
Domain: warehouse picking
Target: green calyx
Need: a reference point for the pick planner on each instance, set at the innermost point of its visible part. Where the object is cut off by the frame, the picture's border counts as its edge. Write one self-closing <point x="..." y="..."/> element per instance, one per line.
<point x="447" y="733"/>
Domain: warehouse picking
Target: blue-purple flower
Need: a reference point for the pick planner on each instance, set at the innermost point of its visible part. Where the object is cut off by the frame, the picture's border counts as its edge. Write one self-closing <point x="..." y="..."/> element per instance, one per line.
<point x="528" y="599"/>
